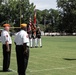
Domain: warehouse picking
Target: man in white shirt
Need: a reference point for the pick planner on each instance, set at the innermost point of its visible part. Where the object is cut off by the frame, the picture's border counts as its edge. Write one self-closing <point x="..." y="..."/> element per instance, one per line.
<point x="22" y="49"/>
<point x="6" y="46"/>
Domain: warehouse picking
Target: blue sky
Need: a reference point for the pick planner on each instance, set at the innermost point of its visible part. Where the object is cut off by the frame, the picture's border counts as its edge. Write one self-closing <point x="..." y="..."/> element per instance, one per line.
<point x="44" y="4"/>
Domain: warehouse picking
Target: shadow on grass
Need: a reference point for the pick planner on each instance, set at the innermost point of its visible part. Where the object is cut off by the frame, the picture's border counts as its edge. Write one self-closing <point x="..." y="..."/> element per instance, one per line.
<point x="69" y="59"/>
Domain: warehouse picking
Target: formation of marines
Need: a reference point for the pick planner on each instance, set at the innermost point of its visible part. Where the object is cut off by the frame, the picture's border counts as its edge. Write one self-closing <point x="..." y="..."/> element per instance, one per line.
<point x="34" y="36"/>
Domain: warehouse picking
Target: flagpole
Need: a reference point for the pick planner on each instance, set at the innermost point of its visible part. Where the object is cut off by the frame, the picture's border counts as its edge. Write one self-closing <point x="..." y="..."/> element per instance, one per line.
<point x="35" y="15"/>
<point x="20" y="14"/>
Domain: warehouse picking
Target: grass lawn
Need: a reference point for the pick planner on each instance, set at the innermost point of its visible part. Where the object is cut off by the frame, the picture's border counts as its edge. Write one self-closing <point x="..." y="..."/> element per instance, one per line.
<point x="56" y="57"/>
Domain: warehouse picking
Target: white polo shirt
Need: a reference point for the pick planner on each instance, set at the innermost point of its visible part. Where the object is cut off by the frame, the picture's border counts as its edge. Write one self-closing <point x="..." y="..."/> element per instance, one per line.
<point x="21" y="37"/>
<point x="5" y="37"/>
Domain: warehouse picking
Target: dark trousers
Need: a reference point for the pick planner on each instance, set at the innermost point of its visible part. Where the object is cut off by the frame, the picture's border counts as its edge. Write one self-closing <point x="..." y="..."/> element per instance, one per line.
<point x="22" y="59"/>
<point x="6" y="57"/>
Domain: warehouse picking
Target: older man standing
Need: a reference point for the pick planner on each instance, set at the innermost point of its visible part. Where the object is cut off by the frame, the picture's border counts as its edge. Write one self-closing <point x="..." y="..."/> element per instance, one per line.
<point x="6" y="46"/>
<point x="22" y="49"/>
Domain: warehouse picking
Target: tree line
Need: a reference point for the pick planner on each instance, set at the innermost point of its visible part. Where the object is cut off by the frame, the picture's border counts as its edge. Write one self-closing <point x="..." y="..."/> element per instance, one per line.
<point x="61" y="20"/>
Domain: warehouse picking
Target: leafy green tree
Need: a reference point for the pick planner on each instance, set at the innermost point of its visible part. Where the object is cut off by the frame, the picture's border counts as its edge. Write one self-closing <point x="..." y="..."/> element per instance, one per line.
<point x="53" y="17"/>
<point x="49" y="17"/>
<point x="16" y="12"/>
<point x="68" y="15"/>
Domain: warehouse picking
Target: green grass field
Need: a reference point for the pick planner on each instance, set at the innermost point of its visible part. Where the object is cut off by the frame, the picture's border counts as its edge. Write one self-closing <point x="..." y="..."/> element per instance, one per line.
<point x="56" y="57"/>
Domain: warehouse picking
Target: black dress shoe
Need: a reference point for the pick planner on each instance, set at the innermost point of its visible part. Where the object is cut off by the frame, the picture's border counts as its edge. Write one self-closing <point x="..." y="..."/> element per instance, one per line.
<point x="36" y="46"/>
<point x="40" y="46"/>
<point x="7" y="70"/>
<point x="1" y="70"/>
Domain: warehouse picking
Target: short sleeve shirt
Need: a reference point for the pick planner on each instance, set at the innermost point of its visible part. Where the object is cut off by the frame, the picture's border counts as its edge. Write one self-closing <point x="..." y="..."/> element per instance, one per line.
<point x="5" y="37"/>
<point x="21" y="37"/>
